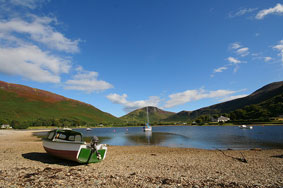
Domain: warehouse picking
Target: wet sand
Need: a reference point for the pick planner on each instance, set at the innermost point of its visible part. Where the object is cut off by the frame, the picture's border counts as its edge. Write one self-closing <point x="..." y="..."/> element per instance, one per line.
<point x="24" y="163"/>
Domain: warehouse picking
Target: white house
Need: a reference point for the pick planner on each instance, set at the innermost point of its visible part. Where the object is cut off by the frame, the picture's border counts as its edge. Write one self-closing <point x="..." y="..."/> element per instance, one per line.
<point x="223" y="119"/>
<point x="5" y="126"/>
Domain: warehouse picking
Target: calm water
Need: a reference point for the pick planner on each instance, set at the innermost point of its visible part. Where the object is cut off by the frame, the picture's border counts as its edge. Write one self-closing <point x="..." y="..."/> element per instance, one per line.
<point x="205" y="137"/>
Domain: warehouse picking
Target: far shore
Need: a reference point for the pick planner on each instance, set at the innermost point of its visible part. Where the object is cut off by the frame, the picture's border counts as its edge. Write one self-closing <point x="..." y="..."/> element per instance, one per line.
<point x="127" y="126"/>
<point x="24" y="163"/>
<point x="109" y="126"/>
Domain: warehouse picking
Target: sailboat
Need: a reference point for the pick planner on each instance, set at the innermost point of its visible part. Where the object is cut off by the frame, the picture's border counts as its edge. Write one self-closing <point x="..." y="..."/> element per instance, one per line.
<point x="147" y="126"/>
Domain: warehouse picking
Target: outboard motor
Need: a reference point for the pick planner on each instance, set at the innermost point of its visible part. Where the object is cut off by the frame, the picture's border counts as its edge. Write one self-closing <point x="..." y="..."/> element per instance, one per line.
<point x="94" y="149"/>
<point x="94" y="141"/>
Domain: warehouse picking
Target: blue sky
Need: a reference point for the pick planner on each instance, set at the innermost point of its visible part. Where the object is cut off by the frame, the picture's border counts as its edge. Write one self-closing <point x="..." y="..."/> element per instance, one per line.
<point x="120" y="55"/>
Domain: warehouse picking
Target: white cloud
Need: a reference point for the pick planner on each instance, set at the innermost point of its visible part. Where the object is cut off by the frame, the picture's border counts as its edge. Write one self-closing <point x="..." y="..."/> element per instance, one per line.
<point x="229" y="98"/>
<point x="22" y="48"/>
<point x="233" y="60"/>
<point x="31" y="62"/>
<point x="235" y="45"/>
<point x="31" y="4"/>
<point x="86" y="81"/>
<point x="133" y="105"/>
<point x="279" y="47"/>
<point x="278" y="9"/>
<point x="240" y="51"/>
<point x="242" y="12"/>
<point x="266" y="59"/>
<point x="243" y="51"/>
<point x="220" y="69"/>
<point x="39" y="29"/>
<point x="194" y="95"/>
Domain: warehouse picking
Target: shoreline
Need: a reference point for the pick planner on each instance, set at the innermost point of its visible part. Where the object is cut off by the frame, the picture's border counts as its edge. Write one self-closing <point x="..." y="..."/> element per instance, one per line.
<point x="26" y="164"/>
<point x="84" y="127"/>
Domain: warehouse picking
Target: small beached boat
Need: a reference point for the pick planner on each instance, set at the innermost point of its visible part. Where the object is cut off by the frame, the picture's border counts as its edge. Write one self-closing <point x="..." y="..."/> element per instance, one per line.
<point x="69" y="144"/>
<point x="245" y="127"/>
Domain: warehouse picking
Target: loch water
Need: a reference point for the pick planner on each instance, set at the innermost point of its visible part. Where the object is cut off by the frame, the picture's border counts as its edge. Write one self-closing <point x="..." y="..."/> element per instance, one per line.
<point x="203" y="137"/>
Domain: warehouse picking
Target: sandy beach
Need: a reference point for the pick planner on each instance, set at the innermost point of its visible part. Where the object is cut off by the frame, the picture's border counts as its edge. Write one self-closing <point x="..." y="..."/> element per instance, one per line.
<point x="24" y="163"/>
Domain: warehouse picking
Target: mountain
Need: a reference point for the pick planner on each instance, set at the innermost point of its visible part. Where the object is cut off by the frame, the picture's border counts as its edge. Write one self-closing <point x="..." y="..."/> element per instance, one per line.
<point x="19" y="102"/>
<point x="260" y="96"/>
<point x="180" y="116"/>
<point x="263" y="111"/>
<point x="155" y="114"/>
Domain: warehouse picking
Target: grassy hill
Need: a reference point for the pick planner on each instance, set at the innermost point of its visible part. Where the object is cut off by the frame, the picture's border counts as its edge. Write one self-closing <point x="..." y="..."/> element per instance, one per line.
<point x="262" y="97"/>
<point x="155" y="115"/>
<point x="272" y="107"/>
<point x="22" y="103"/>
<point x="180" y="116"/>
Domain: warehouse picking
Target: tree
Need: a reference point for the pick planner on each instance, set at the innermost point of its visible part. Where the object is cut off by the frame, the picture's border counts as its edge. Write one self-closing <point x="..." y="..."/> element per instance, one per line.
<point x="17" y="125"/>
<point x="3" y="122"/>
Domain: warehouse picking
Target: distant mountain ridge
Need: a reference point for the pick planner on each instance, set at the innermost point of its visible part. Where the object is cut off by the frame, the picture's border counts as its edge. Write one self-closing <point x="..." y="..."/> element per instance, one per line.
<point x="139" y="115"/>
<point x="259" y="96"/>
<point x="19" y="102"/>
<point x="180" y="116"/>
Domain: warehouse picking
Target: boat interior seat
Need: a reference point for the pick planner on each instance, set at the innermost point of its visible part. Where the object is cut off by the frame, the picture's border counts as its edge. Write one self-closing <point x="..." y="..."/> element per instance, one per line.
<point x="78" y="138"/>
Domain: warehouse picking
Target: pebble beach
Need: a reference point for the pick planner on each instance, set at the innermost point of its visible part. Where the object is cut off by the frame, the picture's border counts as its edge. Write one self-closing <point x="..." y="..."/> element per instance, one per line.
<point x="24" y="163"/>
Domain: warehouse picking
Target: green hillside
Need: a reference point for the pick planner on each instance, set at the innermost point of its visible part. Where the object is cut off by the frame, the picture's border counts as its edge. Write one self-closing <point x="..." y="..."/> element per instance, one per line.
<point x="23" y="103"/>
<point x="180" y="116"/>
<point x="259" y="96"/>
<point x="139" y="115"/>
<point x="262" y="104"/>
<point x="41" y="108"/>
<point x="272" y="107"/>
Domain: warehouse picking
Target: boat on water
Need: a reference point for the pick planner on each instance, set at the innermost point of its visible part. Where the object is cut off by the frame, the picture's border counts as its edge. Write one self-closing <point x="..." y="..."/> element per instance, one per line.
<point x="88" y="129"/>
<point x="147" y="126"/>
<point x="68" y="144"/>
<point x="245" y="127"/>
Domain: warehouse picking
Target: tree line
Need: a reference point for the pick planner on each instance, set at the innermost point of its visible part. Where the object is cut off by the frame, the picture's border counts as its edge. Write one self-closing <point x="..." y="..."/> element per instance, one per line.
<point x="60" y="122"/>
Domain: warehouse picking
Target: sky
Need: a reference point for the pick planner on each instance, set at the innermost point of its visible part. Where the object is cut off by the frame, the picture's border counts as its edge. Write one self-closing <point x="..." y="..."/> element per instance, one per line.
<point x="121" y="55"/>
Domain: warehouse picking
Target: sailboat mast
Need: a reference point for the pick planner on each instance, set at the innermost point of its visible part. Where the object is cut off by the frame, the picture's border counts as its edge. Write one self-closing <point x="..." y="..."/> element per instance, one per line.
<point x="147" y="114"/>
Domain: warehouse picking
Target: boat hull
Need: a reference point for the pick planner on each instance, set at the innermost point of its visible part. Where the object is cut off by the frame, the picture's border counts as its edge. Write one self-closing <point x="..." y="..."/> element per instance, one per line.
<point x="69" y="155"/>
<point x="147" y="129"/>
<point x="78" y="152"/>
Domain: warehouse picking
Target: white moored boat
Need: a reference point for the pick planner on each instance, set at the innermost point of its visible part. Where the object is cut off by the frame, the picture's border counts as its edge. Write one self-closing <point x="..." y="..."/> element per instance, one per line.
<point x="245" y="127"/>
<point x="69" y="144"/>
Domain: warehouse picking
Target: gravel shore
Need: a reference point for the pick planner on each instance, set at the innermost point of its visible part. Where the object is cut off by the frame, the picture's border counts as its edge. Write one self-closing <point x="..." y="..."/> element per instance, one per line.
<point x="24" y="163"/>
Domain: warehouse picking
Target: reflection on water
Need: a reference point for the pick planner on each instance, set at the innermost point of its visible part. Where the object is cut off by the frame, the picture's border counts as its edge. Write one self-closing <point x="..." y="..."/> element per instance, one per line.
<point x="153" y="138"/>
<point x="205" y="137"/>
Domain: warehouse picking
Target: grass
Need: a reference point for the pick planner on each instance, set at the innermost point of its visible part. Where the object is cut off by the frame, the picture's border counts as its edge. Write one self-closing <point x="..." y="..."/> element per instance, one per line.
<point x="14" y="107"/>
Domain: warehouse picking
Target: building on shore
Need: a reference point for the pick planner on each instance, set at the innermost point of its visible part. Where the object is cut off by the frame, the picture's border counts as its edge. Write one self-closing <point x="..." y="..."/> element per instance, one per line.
<point x="5" y="126"/>
<point x="223" y="119"/>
